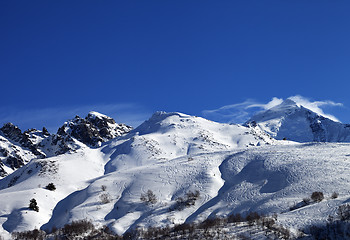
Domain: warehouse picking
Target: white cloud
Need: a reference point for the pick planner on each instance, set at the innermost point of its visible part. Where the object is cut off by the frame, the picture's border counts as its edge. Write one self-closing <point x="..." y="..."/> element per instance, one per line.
<point x="233" y="113"/>
<point x="315" y="106"/>
<point x="274" y="102"/>
<point x="241" y="112"/>
<point x="53" y="118"/>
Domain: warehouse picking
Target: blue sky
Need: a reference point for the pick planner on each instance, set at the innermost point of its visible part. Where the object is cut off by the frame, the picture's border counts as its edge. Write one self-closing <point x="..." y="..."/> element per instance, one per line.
<point x="128" y="59"/>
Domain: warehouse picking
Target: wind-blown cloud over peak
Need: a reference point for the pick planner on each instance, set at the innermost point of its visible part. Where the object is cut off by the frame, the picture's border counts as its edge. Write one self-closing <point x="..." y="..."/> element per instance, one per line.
<point x="316" y="106"/>
<point x="241" y="112"/>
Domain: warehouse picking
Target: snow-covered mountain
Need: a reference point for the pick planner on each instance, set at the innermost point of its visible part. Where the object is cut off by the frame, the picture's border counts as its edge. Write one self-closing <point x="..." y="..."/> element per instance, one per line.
<point x="294" y="122"/>
<point x="195" y="169"/>
<point x="166" y="138"/>
<point x="17" y="148"/>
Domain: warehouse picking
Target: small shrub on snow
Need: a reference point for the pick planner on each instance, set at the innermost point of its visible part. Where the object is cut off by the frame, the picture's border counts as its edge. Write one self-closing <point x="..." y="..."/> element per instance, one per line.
<point x="334" y="195"/>
<point x="105" y="198"/>
<point x="51" y="187"/>
<point x="103" y="187"/>
<point x="317" y="196"/>
<point x="33" y="205"/>
<point x="149" y="197"/>
<point x="188" y="201"/>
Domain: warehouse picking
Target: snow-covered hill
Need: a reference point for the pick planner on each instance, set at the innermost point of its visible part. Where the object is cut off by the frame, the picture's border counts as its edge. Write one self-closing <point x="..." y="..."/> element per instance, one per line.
<point x="176" y="168"/>
<point x="294" y="122"/>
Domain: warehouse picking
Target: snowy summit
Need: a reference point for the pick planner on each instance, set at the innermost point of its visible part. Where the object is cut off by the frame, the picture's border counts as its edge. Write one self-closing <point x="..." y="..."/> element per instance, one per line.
<point x="293" y="121"/>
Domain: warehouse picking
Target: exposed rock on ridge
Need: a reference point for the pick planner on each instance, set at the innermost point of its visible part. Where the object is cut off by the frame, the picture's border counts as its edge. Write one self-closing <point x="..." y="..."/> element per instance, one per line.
<point x="17" y="148"/>
<point x="94" y="129"/>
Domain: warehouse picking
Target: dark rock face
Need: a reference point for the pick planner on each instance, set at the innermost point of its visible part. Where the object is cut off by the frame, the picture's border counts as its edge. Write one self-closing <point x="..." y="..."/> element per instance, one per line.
<point x="94" y="129"/>
<point x="82" y="130"/>
<point x="45" y="132"/>
<point x="14" y="162"/>
<point x="11" y="157"/>
<point x="317" y="128"/>
<point x="12" y="132"/>
<point x="10" y="154"/>
<point x="62" y="143"/>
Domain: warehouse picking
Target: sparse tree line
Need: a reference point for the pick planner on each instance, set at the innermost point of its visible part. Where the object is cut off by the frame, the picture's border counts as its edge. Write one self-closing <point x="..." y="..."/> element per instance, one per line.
<point x="212" y="228"/>
<point x="337" y="227"/>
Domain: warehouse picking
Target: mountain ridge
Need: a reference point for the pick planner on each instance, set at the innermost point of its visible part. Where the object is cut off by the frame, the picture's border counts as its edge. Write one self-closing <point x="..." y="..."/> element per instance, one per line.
<point x="92" y="130"/>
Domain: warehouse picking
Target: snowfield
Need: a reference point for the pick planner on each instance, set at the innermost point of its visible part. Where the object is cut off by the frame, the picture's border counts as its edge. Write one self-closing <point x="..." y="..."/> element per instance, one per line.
<point x="235" y="169"/>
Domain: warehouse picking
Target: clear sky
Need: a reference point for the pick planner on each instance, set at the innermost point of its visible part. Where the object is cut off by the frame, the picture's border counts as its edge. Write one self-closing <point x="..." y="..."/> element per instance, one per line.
<point x="128" y="59"/>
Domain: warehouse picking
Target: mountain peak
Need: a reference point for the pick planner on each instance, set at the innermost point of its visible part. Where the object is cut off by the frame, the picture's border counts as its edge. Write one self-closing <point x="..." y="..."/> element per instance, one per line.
<point x="295" y="122"/>
<point x="93" y="115"/>
<point x="288" y="103"/>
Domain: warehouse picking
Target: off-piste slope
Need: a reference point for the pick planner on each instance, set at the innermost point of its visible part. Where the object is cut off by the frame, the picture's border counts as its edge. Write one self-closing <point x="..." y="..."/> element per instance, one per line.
<point x="297" y="123"/>
<point x="266" y="179"/>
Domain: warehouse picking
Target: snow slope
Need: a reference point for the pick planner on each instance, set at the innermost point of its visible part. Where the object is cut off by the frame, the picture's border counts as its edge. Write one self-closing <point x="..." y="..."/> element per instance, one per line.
<point x="266" y="179"/>
<point x="235" y="169"/>
<point x="171" y="135"/>
<point x="297" y="123"/>
<point x="67" y="174"/>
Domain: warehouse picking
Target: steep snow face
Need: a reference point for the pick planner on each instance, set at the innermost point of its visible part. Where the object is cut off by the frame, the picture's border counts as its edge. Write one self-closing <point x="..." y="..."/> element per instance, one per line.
<point x="294" y="122"/>
<point x="94" y="129"/>
<point x="171" y="135"/>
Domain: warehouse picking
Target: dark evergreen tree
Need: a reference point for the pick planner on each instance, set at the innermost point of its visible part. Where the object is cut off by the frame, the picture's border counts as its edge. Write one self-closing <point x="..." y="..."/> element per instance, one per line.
<point x="33" y="205"/>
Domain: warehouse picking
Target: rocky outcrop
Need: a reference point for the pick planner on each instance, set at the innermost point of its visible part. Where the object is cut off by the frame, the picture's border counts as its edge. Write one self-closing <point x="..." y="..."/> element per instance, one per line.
<point x="12" y="132"/>
<point x="94" y="129"/>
